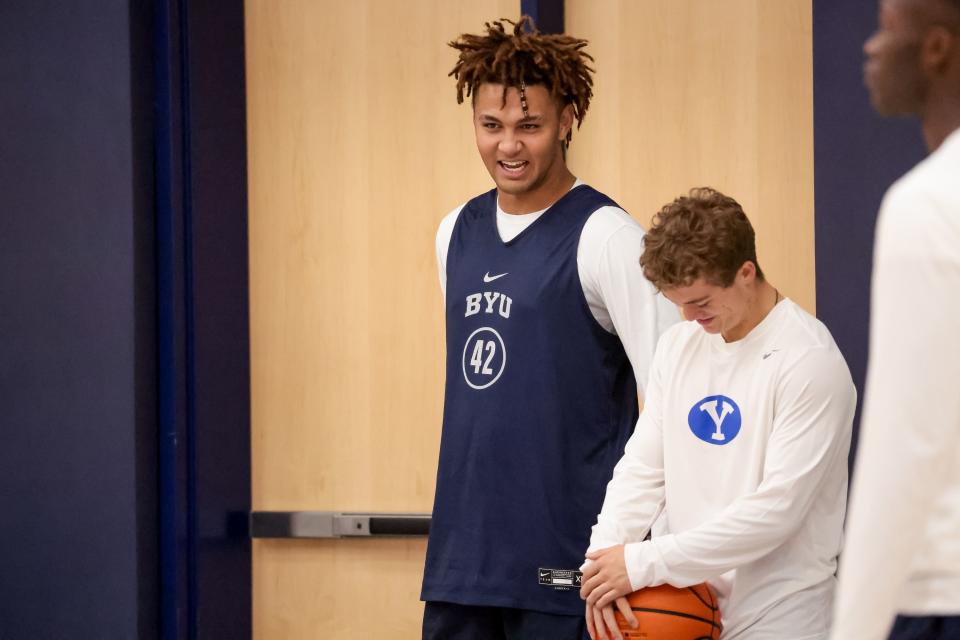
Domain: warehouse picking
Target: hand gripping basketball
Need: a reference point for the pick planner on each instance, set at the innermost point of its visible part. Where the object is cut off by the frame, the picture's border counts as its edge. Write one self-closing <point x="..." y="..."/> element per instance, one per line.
<point x="671" y="613"/>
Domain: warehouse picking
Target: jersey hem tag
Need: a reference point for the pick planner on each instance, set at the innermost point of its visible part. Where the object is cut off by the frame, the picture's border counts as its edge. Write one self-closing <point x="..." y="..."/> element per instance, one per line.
<point x="560" y="579"/>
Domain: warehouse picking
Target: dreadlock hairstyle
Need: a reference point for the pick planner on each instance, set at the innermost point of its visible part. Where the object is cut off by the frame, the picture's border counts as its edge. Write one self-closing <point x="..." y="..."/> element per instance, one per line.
<point x="523" y="56"/>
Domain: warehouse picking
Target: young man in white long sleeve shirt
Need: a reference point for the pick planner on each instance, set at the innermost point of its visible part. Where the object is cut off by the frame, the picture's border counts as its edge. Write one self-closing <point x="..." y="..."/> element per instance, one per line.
<point x="740" y="454"/>
<point x="903" y="537"/>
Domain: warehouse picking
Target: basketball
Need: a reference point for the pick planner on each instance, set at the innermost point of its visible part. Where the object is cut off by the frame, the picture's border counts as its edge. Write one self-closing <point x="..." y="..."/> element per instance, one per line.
<point x="669" y="613"/>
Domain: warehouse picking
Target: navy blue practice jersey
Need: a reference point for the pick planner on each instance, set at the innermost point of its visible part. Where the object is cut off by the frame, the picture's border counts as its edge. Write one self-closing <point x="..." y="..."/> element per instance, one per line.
<point x="540" y="401"/>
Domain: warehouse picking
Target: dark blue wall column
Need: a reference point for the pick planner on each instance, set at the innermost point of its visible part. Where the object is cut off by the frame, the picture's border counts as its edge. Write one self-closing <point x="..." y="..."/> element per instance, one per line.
<point x="546" y="14"/>
<point x="204" y="393"/>
<point x="78" y="495"/>
<point x="124" y="400"/>
<point x="221" y="371"/>
<point x="856" y="157"/>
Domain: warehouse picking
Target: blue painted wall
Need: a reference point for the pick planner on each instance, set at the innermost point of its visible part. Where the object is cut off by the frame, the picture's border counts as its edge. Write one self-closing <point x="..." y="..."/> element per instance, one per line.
<point x="124" y="358"/>
<point x="77" y="406"/>
<point x="857" y="155"/>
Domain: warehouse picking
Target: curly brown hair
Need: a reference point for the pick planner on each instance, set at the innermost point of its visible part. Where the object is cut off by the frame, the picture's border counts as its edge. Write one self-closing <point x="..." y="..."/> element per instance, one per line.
<point x="524" y="56"/>
<point x="704" y="234"/>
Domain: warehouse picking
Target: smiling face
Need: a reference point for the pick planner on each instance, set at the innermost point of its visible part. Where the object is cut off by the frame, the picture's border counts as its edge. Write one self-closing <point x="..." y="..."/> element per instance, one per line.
<point x="523" y="152"/>
<point x="892" y="71"/>
<point x="730" y="311"/>
<point x="713" y="307"/>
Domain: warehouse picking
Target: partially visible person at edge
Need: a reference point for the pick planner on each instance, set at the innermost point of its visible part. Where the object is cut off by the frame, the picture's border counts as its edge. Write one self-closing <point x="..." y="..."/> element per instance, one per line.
<point x="739" y="461"/>
<point x="550" y="326"/>
<point x="902" y="554"/>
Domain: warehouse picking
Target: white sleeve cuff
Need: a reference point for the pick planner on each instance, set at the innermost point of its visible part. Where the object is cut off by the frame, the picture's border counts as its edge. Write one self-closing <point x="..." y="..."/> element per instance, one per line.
<point x="638" y="566"/>
<point x="645" y="562"/>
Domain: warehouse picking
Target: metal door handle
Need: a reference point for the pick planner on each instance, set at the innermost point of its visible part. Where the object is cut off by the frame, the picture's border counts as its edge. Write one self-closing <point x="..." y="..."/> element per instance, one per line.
<point x="336" y="524"/>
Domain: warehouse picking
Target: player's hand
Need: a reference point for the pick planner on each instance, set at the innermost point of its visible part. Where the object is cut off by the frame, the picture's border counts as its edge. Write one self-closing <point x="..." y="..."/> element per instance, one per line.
<point x="605" y="578"/>
<point x="601" y="623"/>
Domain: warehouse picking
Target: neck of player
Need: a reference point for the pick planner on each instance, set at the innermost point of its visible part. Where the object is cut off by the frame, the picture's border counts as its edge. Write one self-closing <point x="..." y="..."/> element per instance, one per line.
<point x="552" y="188"/>
<point x="760" y="303"/>
<point x="940" y="118"/>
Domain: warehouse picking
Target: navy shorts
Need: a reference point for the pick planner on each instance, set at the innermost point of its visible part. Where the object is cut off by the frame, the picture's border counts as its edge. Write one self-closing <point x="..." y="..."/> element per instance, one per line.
<point x="447" y="621"/>
<point x="926" y="628"/>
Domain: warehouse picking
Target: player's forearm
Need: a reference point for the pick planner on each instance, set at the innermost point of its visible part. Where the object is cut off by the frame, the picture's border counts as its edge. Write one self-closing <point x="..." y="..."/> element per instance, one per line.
<point x="621" y="522"/>
<point x="633" y="501"/>
<point x="635" y="493"/>
<point x="746" y="531"/>
<point x="706" y="552"/>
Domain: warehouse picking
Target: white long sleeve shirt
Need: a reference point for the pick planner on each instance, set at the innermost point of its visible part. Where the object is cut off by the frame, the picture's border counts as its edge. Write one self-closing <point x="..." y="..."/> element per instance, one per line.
<point x="608" y="260"/>
<point x="903" y="537"/>
<point x="743" y="447"/>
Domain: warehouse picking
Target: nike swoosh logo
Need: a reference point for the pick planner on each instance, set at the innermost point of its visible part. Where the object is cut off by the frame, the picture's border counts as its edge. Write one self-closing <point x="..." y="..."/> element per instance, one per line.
<point x="769" y="353"/>
<point x="489" y="278"/>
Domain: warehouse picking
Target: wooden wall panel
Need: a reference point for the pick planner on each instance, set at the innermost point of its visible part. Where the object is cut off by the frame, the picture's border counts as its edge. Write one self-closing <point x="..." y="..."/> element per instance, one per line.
<point x="706" y="93"/>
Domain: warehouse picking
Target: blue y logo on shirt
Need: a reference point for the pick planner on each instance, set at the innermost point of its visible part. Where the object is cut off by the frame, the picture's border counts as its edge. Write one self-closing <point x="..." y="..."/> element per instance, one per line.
<point x="715" y="419"/>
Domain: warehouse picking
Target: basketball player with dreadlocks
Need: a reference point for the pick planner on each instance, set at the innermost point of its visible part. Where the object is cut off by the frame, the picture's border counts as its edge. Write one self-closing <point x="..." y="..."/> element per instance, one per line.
<point x="550" y="326"/>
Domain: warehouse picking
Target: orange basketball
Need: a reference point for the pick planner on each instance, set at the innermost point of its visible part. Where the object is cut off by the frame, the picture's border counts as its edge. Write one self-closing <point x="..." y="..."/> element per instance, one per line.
<point x="669" y="613"/>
